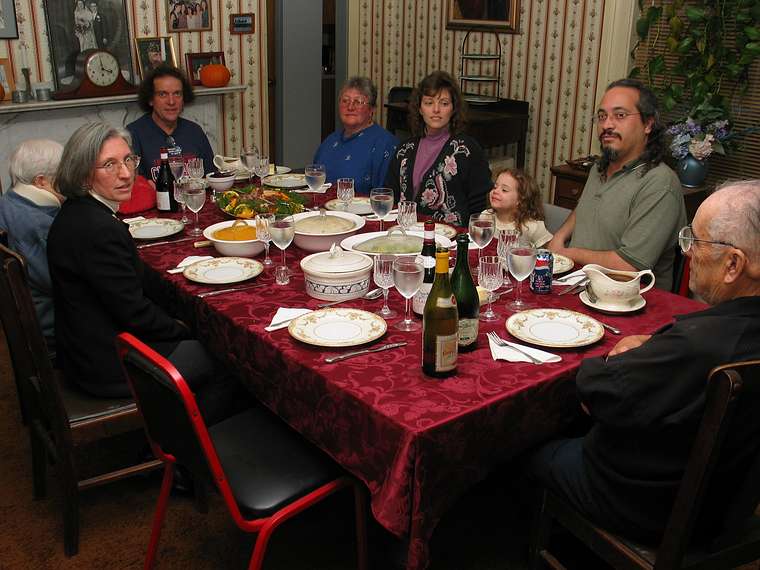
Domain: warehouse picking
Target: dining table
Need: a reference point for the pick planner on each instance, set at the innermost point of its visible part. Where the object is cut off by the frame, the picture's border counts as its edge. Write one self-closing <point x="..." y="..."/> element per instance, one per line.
<point x="418" y="443"/>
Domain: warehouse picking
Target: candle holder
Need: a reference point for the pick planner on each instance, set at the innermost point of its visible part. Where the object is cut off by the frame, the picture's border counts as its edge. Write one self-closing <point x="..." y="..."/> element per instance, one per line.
<point x="28" y="79"/>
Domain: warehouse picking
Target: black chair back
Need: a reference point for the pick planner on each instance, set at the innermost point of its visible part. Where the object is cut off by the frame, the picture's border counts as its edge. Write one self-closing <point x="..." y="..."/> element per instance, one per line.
<point x="399" y="94"/>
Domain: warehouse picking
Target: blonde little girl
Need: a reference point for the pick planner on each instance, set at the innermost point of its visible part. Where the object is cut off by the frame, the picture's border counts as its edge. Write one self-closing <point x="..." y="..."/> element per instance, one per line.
<point x="516" y="202"/>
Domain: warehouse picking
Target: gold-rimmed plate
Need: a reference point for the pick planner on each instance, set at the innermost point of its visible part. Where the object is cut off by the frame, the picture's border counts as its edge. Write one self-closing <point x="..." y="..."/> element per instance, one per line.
<point x="562" y="264"/>
<point x="289" y="180"/>
<point x="223" y="270"/>
<point x="555" y="328"/>
<point x="337" y="327"/>
<point x="444" y="230"/>
<point x="154" y="228"/>
<point x="359" y="206"/>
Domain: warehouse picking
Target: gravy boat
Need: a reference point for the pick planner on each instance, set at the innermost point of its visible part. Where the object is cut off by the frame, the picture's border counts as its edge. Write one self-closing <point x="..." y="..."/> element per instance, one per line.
<point x="616" y="287"/>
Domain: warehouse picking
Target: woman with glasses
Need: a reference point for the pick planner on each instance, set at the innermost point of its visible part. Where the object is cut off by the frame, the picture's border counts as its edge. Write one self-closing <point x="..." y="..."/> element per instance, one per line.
<point x="361" y="149"/>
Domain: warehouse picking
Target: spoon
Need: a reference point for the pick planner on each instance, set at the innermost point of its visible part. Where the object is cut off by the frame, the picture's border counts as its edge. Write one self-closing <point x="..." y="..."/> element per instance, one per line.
<point x="371" y="294"/>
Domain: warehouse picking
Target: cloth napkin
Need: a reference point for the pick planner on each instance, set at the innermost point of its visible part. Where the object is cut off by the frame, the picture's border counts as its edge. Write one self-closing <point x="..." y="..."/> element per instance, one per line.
<point x="189" y="260"/>
<point x="571" y="278"/>
<point x="130" y="220"/>
<point x="283" y="314"/>
<point x="321" y="190"/>
<point x="505" y="353"/>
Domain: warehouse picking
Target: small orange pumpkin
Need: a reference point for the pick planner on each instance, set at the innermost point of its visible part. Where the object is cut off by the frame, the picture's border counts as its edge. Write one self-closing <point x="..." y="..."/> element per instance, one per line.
<point x="214" y="75"/>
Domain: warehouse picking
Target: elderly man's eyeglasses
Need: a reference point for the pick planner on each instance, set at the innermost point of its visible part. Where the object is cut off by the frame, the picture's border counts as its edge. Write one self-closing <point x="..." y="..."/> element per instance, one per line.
<point x="347" y="102"/>
<point x="616" y="116"/>
<point x="686" y="238"/>
<point x="112" y="167"/>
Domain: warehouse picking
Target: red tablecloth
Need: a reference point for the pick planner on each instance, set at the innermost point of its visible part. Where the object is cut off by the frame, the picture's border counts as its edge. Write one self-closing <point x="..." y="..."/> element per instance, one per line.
<point x="417" y="443"/>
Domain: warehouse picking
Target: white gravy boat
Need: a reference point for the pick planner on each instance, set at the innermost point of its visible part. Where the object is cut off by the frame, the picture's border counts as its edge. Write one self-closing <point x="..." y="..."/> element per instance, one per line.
<point x="616" y="287"/>
<point x="227" y="163"/>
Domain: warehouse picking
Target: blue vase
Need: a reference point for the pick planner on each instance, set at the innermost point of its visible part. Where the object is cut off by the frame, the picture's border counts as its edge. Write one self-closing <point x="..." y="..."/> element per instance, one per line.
<point x="692" y="172"/>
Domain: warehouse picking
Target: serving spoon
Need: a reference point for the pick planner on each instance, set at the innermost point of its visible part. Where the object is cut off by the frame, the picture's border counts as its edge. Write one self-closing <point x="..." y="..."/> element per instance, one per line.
<point x="371" y="294"/>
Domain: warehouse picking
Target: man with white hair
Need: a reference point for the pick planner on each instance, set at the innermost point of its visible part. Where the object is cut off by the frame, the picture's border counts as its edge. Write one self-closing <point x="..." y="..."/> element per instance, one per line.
<point x="26" y="213"/>
<point x="646" y="398"/>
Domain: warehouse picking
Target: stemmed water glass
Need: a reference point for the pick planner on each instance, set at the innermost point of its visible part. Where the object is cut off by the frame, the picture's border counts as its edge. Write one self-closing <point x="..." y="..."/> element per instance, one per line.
<point x="263" y="221"/>
<point x="381" y="201"/>
<point x="249" y="158"/>
<point x="195" y="197"/>
<point x="383" y="276"/>
<point x="521" y="260"/>
<point x="490" y="277"/>
<point x="345" y="191"/>
<point x="315" y="176"/>
<point x="407" y="277"/>
<point x="407" y="214"/>
<point x="282" y="231"/>
<point x="481" y="229"/>
<point x="505" y="239"/>
<point x="262" y="168"/>
<point x="177" y="167"/>
<point x="194" y="168"/>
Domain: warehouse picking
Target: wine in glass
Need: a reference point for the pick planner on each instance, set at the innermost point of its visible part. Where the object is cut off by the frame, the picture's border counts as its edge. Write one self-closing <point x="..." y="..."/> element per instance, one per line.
<point x="490" y="276"/>
<point x="195" y="197"/>
<point x="345" y="192"/>
<point x="177" y="167"/>
<point x="407" y="214"/>
<point x="263" y="221"/>
<point x="481" y="229"/>
<point x="408" y="273"/>
<point x="315" y="176"/>
<point x="521" y="260"/>
<point x="383" y="276"/>
<point x="281" y="231"/>
<point x="381" y="202"/>
<point x="249" y="157"/>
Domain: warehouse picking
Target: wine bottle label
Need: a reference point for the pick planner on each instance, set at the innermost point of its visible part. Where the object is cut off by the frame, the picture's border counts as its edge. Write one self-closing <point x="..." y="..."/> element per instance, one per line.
<point x="428" y="262"/>
<point x="420" y="298"/>
<point x="468" y="331"/>
<point x="162" y="201"/>
<point x="446" y="352"/>
<point x="446" y="302"/>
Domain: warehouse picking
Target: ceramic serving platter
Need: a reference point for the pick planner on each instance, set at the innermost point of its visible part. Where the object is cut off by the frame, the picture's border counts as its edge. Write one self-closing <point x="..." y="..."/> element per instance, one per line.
<point x="359" y="205"/>
<point x="337" y="327"/>
<point x="351" y="242"/>
<point x="155" y="228"/>
<point x="556" y="328"/>
<point x="441" y="229"/>
<point x="223" y="270"/>
<point x="289" y="180"/>
<point x="562" y="264"/>
<point x="634" y="305"/>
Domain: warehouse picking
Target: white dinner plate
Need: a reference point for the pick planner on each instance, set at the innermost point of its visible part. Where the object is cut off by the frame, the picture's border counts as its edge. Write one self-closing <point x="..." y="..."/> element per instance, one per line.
<point x="337" y="327"/>
<point x="359" y="205"/>
<point x="288" y="180"/>
<point x="562" y="264"/>
<point x="351" y="241"/>
<point x="442" y="229"/>
<point x="223" y="270"/>
<point x="556" y="328"/>
<point x="243" y="175"/>
<point x="155" y="228"/>
<point x="636" y="304"/>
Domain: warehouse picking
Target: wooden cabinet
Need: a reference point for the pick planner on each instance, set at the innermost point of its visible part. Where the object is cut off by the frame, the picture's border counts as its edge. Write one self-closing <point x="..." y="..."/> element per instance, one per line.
<point x="568" y="186"/>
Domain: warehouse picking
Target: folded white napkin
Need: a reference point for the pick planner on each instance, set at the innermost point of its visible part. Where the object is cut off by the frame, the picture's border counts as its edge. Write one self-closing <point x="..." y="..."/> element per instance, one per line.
<point x="283" y="316"/>
<point x="390" y="217"/>
<point x="189" y="260"/>
<point x="506" y="353"/>
<point x="130" y="220"/>
<point x="321" y="190"/>
<point x="571" y="278"/>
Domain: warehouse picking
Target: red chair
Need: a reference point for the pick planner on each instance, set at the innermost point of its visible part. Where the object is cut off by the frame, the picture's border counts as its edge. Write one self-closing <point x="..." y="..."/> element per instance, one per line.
<point x="265" y="472"/>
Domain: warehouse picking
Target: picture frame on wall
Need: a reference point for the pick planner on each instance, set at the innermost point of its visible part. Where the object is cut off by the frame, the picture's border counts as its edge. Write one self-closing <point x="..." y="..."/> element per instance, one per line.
<point x="87" y="24"/>
<point x="6" y="78"/>
<point x="8" y="23"/>
<point x="242" y="23"/>
<point x="494" y="15"/>
<point x="194" y="62"/>
<point x="153" y="51"/>
<point x="188" y="15"/>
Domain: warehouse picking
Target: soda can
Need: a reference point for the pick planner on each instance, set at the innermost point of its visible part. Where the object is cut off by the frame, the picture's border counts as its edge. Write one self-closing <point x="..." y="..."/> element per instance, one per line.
<point x="541" y="278"/>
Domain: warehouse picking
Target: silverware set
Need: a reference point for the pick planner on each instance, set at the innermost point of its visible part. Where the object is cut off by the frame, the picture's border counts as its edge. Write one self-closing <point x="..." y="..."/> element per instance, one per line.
<point x="498" y="341"/>
<point x="331" y="359"/>
<point x="230" y="290"/>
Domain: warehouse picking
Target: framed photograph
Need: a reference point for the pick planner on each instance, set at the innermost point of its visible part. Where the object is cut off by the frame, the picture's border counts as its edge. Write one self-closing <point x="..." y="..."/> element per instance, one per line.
<point x="87" y="24"/>
<point x="242" y="23"/>
<point x="194" y="62"/>
<point x="188" y="15"/>
<point x="151" y="52"/>
<point x="8" y="23"/>
<point x="494" y="15"/>
<point x="6" y="78"/>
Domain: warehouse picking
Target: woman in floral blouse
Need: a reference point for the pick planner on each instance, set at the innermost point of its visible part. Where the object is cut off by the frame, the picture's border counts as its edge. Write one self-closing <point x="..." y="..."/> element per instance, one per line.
<point x="440" y="168"/>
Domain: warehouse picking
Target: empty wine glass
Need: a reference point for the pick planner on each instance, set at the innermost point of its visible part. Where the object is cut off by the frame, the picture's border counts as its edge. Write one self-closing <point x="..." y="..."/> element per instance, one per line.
<point x="262" y="167"/>
<point x="315" y="176"/>
<point x="345" y="191"/>
<point x="282" y="231"/>
<point x="194" y="168"/>
<point x="249" y="157"/>
<point x="177" y="167"/>
<point x="383" y="276"/>
<point x="506" y="239"/>
<point x="522" y="260"/>
<point x="263" y="221"/>
<point x="407" y="277"/>
<point x="481" y="229"/>
<point x="407" y="214"/>
<point x="381" y="201"/>
<point x="195" y="197"/>
<point x="490" y="276"/>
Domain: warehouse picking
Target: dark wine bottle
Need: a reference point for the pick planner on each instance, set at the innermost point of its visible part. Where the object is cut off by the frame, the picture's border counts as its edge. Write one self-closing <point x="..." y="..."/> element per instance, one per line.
<point x="440" y="329"/>
<point x="468" y="302"/>
<point x="165" y="200"/>
<point x="428" y="260"/>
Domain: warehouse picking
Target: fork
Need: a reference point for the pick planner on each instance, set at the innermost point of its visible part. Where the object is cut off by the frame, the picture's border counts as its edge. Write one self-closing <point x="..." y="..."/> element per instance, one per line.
<point x="503" y="343"/>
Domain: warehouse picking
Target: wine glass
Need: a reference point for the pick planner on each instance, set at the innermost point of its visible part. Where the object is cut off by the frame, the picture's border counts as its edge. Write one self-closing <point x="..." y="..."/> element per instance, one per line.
<point x="383" y="276"/>
<point x="381" y="201"/>
<point x="262" y="167"/>
<point x="407" y="277"/>
<point x="249" y="157"/>
<point x="407" y="214"/>
<point x="194" y="168"/>
<point x="506" y="239"/>
<point x="263" y="221"/>
<point x="490" y="277"/>
<point x="522" y="260"/>
<point x="481" y="229"/>
<point x="177" y="167"/>
<point x="195" y="197"/>
<point x="315" y="176"/>
<point x="345" y="192"/>
<point x="282" y="231"/>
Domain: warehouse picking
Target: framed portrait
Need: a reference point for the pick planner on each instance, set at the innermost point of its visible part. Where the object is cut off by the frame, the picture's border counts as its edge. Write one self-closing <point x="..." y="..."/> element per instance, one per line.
<point x="87" y="24"/>
<point x="8" y="23"/>
<point x="188" y="15"/>
<point x="6" y="78"/>
<point x="152" y="52"/>
<point x="194" y="62"/>
<point x="494" y="15"/>
<point x="242" y="23"/>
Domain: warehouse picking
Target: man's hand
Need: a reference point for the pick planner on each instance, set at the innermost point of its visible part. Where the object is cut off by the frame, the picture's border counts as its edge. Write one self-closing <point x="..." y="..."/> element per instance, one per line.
<point x="557" y="244"/>
<point x="628" y="343"/>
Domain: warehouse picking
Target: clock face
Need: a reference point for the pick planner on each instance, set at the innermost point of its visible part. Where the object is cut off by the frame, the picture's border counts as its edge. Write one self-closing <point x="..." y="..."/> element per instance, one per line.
<point x="102" y="68"/>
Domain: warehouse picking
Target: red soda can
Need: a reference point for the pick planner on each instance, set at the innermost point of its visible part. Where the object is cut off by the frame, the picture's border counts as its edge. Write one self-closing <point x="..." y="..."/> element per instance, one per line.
<point x="541" y="278"/>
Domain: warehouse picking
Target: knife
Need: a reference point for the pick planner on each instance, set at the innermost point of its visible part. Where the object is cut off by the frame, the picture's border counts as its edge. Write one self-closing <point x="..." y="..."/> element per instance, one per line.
<point x="230" y="290"/>
<point x="331" y="359"/>
<point x="142" y="245"/>
<point x="575" y="288"/>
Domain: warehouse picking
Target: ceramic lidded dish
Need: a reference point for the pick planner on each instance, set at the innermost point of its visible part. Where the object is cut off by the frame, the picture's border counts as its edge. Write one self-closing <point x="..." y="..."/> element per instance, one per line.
<point x="336" y="274"/>
<point x="318" y="231"/>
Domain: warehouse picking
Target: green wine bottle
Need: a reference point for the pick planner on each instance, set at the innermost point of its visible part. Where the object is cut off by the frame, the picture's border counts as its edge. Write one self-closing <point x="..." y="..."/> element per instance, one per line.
<point x="468" y="302"/>
<point x="440" y="329"/>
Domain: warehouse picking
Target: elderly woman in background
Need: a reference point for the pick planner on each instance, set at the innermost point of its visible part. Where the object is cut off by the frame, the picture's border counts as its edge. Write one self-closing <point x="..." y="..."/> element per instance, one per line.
<point x="440" y="168"/>
<point x="362" y="149"/>
<point x="26" y="212"/>
<point x="99" y="283"/>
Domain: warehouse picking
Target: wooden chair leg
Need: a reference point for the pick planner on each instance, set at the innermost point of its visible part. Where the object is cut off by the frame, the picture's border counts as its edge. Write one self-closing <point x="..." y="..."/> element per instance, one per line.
<point x="360" y="503"/>
<point x="159" y="515"/>
<point x="39" y="463"/>
<point x="70" y="510"/>
<point x="540" y="533"/>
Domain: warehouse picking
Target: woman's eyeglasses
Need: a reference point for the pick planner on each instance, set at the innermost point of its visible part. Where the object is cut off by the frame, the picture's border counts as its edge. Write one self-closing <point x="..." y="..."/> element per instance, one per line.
<point x="112" y="167"/>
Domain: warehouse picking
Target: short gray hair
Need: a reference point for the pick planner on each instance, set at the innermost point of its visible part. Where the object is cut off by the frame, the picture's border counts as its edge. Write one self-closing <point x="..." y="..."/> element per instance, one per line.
<point x="80" y="156"/>
<point x="737" y="219"/>
<point x="364" y="85"/>
<point x="32" y="158"/>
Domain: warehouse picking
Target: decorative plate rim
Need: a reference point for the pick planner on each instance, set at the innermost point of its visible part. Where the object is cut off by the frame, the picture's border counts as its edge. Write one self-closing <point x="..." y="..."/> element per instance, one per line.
<point x="611" y="309"/>
<point x="335" y="205"/>
<point x="597" y="333"/>
<point x="560" y="271"/>
<point x="255" y="268"/>
<point x="175" y="226"/>
<point x="269" y="180"/>
<point x="321" y="313"/>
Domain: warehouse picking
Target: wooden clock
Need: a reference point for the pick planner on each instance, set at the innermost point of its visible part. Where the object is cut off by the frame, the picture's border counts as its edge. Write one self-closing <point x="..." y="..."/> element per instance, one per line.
<point x="97" y="74"/>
